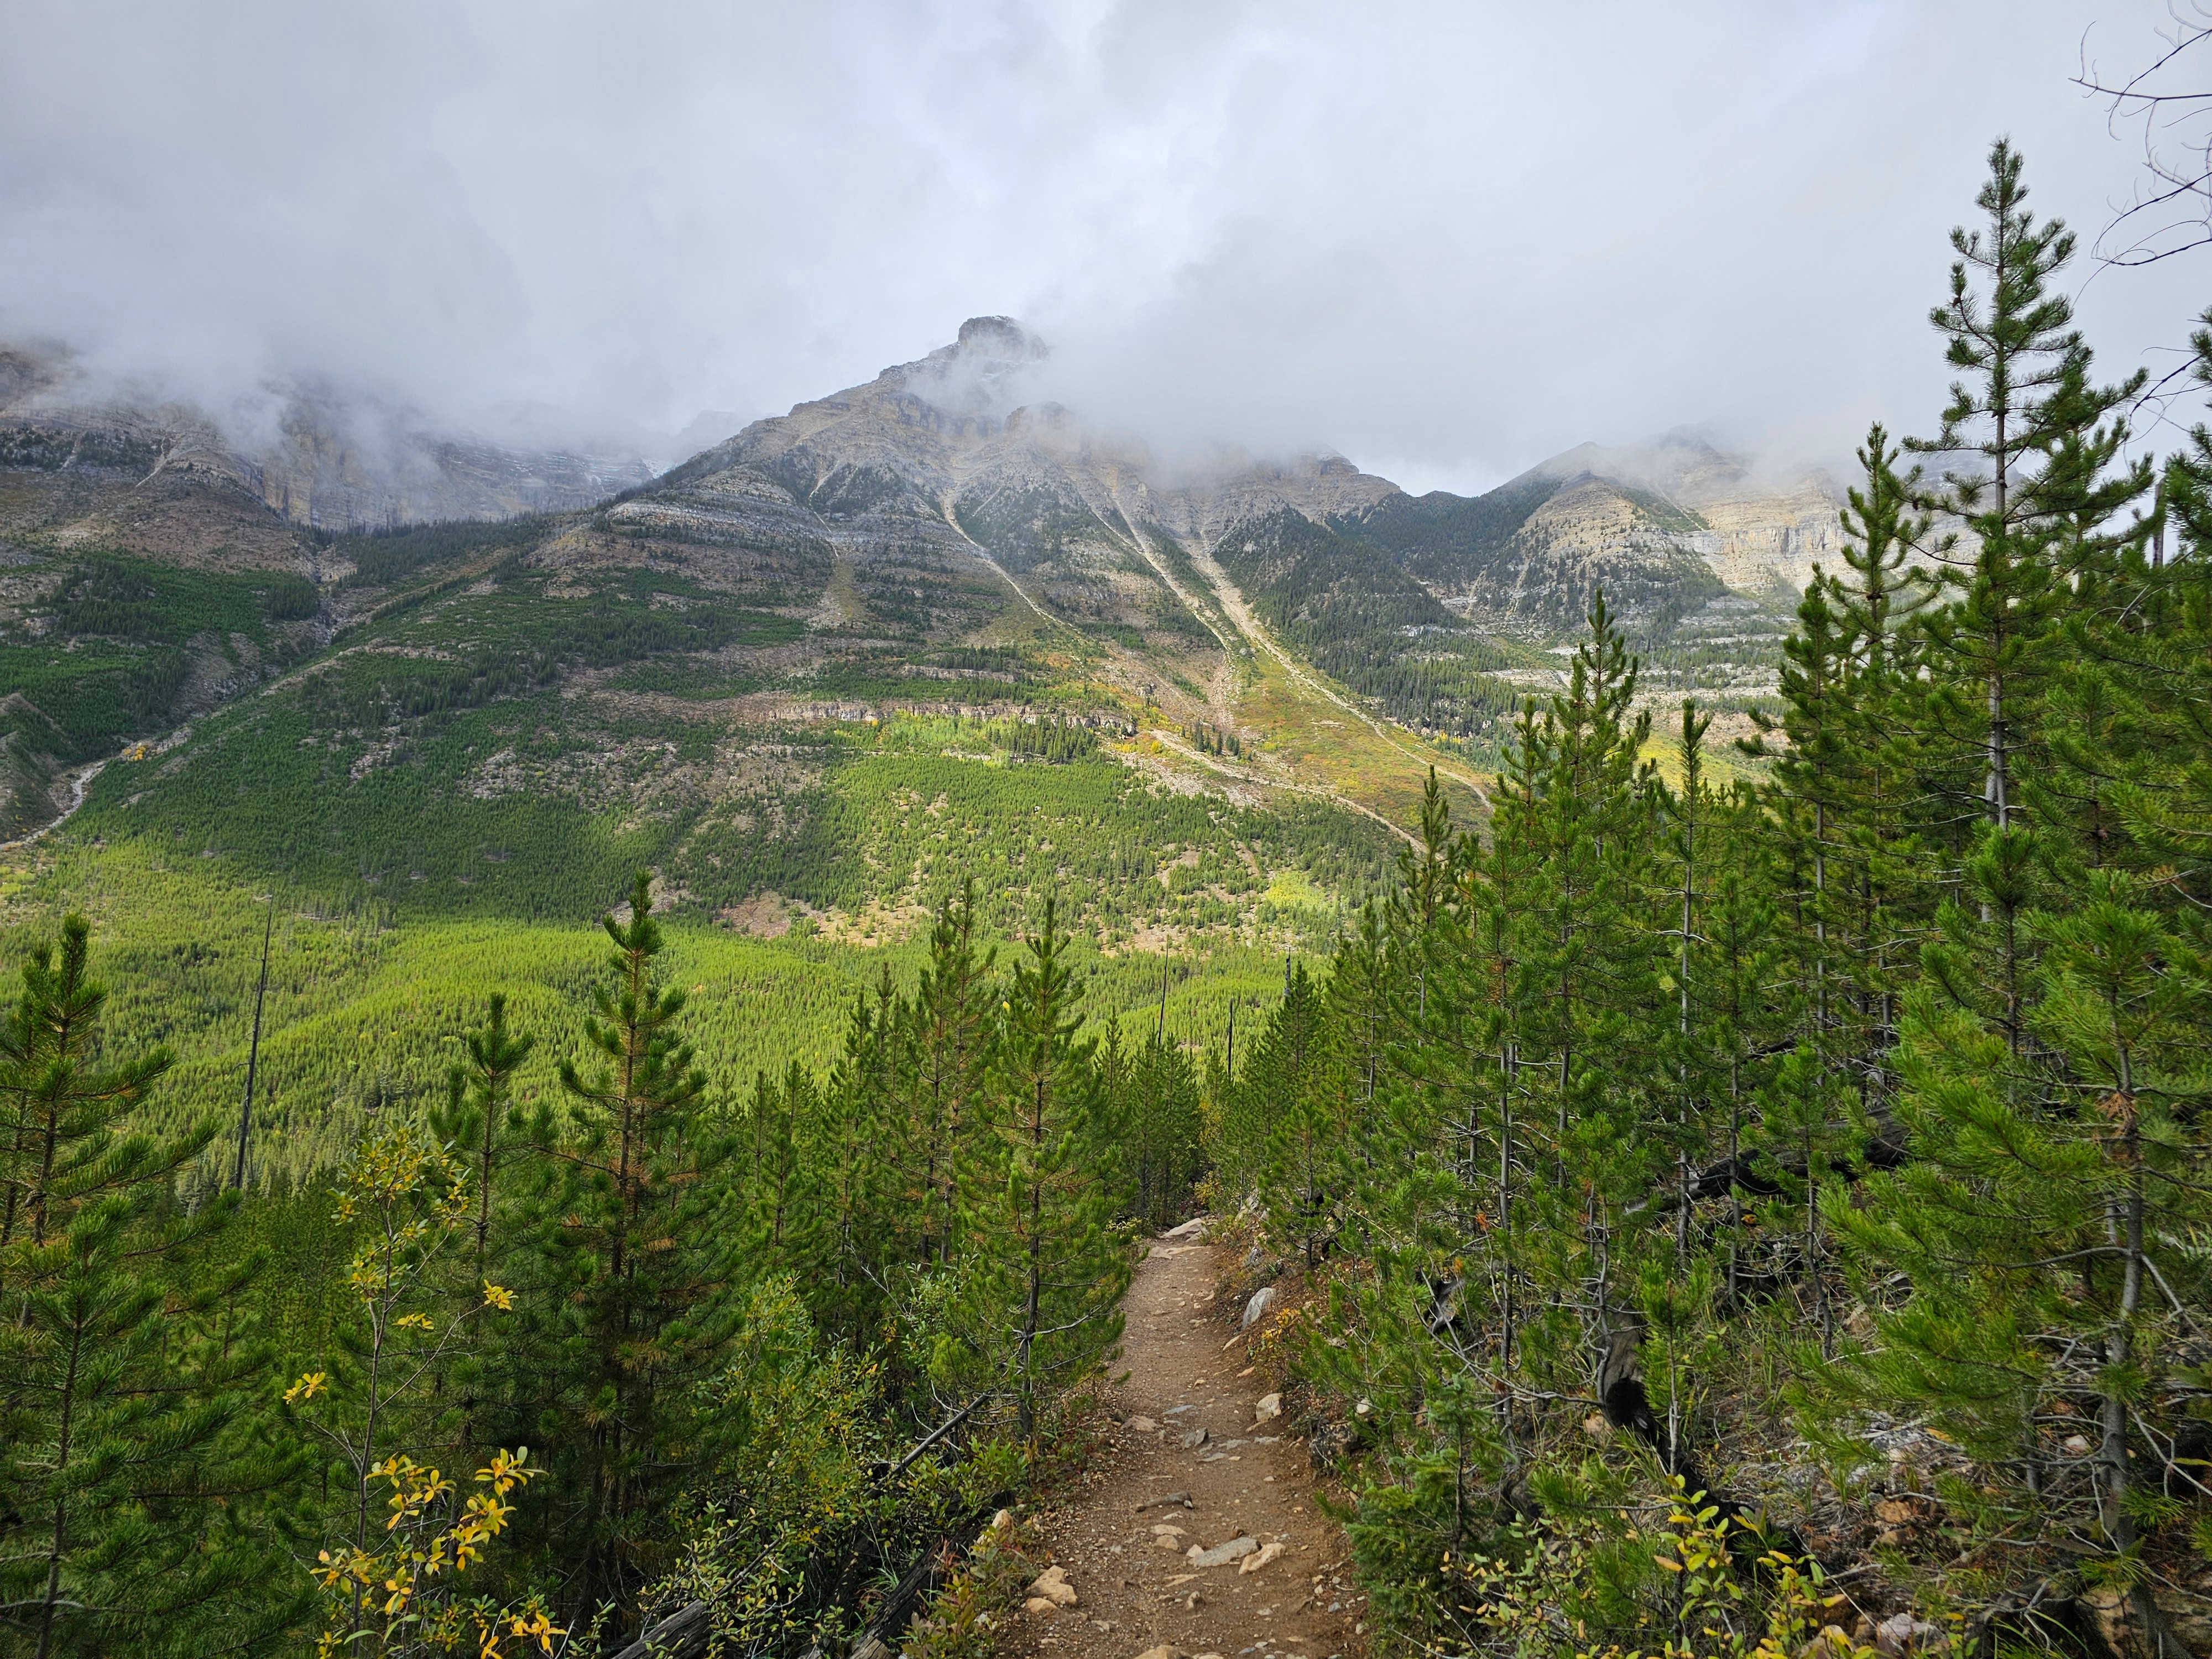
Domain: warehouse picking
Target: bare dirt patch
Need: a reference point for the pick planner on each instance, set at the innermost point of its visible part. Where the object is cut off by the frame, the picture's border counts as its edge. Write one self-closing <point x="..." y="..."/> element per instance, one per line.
<point x="764" y="915"/>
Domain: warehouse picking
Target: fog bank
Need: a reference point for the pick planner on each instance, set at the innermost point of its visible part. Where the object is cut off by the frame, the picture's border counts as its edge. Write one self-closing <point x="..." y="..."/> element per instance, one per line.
<point x="1445" y="239"/>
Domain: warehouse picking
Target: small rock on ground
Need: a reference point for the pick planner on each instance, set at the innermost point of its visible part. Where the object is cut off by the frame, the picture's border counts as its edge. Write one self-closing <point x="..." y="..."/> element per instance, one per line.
<point x="1254" y="1562"/>
<point x="1222" y="1554"/>
<point x="1051" y="1587"/>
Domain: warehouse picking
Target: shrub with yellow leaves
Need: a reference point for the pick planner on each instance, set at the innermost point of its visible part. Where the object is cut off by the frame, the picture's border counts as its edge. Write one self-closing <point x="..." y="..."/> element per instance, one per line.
<point x="1721" y="1593"/>
<point x="392" y="1591"/>
<point x="406" y="1584"/>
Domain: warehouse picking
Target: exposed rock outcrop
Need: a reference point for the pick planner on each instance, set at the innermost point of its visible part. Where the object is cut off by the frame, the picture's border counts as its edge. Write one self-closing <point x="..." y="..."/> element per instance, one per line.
<point x="323" y="459"/>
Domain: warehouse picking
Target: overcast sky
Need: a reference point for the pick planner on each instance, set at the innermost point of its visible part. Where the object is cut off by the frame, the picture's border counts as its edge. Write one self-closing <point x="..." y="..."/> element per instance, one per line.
<point x="1445" y="239"/>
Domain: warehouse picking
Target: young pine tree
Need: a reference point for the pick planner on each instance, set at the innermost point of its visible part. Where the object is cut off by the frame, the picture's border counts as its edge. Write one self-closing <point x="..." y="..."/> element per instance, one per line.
<point x="780" y="1220"/>
<point x="483" y="1121"/>
<point x="1279" y="1063"/>
<point x="1875" y="905"/>
<point x="1159" y="1090"/>
<point x="2038" y="441"/>
<point x="644" y="1276"/>
<point x="1588" y="977"/>
<point x="1298" y="1148"/>
<point x="135" y="1505"/>
<point x="2133" y="723"/>
<point x="66" y="1112"/>
<point x="1042" y="1192"/>
<point x="856" y="1154"/>
<point x="948" y="1051"/>
<point x="1748" y="1005"/>
<point x="2042" y="1228"/>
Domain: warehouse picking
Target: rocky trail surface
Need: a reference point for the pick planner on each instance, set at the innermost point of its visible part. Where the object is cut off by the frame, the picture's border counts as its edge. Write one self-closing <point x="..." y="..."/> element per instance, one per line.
<point x="1194" y="1530"/>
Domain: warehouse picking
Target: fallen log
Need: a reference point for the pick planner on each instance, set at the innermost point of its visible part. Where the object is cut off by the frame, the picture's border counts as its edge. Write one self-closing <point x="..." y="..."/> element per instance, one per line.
<point x="1752" y="1173"/>
<point x="683" y="1635"/>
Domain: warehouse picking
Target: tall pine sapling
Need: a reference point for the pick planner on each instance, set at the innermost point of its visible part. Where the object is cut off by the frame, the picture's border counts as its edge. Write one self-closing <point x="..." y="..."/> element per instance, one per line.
<point x="481" y="1117"/>
<point x="134" y="1504"/>
<point x="1045" y="1193"/>
<point x="647" y="1285"/>
<point x="2023" y="419"/>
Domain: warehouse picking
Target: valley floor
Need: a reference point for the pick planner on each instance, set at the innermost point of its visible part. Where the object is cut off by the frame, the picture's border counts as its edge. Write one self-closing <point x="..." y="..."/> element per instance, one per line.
<point x="1246" y="1479"/>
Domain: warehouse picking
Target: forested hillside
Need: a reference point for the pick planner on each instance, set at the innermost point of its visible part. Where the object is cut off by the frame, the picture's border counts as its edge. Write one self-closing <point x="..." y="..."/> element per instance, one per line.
<point x="622" y="1061"/>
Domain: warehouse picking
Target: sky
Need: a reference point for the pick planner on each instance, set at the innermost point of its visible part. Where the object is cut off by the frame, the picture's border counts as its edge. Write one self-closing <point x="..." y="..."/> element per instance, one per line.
<point x="1446" y="240"/>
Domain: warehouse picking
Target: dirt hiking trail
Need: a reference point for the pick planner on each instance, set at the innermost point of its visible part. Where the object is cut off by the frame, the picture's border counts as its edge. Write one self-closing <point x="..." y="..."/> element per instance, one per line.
<point x="1196" y="1462"/>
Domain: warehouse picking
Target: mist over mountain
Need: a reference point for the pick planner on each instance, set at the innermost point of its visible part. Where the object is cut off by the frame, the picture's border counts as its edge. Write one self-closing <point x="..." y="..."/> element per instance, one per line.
<point x="952" y="443"/>
<point x="1451" y="898"/>
<point x="1276" y="227"/>
<point x="970" y="429"/>
<point x="319" y="455"/>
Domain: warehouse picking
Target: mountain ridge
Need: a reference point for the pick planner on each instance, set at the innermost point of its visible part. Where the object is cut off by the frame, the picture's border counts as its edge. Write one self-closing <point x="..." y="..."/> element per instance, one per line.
<point x="947" y="428"/>
<point x="938" y="523"/>
<point x="317" y="458"/>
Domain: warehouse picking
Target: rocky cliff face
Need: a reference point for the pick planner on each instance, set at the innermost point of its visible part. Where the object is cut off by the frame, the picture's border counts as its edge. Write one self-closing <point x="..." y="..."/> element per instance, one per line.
<point x="1754" y="534"/>
<point x="327" y="462"/>
<point x="1768" y="540"/>
<point x="947" y="455"/>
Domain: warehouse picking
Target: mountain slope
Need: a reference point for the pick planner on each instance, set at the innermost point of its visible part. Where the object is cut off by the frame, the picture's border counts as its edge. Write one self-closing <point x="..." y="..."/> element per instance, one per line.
<point x="925" y="630"/>
<point x="317" y="458"/>
<point x="936" y="543"/>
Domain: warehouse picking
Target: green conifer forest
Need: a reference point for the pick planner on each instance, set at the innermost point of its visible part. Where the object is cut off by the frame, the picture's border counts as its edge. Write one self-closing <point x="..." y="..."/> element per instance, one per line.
<point x="1702" y="1179"/>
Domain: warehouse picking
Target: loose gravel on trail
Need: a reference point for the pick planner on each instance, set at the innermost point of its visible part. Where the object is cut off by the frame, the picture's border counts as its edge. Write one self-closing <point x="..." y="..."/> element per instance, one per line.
<point x="1194" y="1531"/>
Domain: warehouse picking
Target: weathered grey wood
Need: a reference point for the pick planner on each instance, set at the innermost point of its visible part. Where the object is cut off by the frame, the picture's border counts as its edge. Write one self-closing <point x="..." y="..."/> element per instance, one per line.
<point x="935" y="1436"/>
<point x="682" y="1635"/>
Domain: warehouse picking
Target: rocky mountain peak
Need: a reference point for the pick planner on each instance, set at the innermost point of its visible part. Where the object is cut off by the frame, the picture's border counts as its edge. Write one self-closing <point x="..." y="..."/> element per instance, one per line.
<point x="984" y="372"/>
<point x="998" y="339"/>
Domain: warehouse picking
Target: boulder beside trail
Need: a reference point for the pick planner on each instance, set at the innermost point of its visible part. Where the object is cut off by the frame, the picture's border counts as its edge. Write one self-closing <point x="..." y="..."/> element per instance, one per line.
<point x="1049" y="1592"/>
<point x="1254" y="1562"/>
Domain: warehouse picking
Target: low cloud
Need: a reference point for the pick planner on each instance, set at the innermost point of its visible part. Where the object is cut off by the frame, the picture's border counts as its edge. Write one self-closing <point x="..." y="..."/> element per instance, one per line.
<point x="1445" y="239"/>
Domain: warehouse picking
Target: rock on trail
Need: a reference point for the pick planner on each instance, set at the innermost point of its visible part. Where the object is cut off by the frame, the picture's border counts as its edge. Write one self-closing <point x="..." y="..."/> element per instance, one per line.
<point x="1051" y="1591"/>
<point x="1222" y="1554"/>
<point x="1172" y="1544"/>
